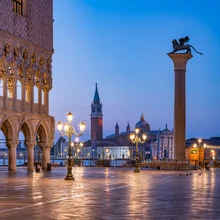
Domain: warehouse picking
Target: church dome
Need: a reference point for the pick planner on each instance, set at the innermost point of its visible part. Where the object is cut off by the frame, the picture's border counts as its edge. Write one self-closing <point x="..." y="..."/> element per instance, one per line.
<point x="142" y="125"/>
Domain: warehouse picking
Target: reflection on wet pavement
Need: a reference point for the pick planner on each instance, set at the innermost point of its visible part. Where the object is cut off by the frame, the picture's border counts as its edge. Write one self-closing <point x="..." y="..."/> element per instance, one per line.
<point x="110" y="193"/>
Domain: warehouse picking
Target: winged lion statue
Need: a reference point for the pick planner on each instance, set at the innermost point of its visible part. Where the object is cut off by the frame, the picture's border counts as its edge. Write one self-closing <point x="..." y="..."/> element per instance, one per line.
<point x="177" y="46"/>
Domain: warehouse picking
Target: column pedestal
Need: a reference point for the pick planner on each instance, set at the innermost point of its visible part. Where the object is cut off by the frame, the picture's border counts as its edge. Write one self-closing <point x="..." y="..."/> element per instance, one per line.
<point x="180" y="61"/>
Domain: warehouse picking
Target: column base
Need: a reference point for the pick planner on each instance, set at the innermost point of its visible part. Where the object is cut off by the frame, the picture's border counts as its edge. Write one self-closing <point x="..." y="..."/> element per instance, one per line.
<point x="69" y="177"/>
<point x="136" y="170"/>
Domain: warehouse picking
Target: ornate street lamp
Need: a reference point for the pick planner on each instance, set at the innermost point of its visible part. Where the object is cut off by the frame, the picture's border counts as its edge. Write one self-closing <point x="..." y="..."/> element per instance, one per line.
<point x="68" y="130"/>
<point x="201" y="147"/>
<point x="135" y="140"/>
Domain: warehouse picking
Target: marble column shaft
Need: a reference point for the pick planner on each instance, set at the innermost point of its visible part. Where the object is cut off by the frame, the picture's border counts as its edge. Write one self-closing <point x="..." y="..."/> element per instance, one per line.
<point x="180" y="61"/>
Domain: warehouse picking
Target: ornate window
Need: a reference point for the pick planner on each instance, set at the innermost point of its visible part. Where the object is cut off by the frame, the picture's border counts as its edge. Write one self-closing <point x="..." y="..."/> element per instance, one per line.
<point x="18" y="6"/>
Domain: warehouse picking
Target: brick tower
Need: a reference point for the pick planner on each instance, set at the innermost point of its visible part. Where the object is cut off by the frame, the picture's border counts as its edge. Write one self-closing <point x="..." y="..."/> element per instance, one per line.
<point x="96" y="117"/>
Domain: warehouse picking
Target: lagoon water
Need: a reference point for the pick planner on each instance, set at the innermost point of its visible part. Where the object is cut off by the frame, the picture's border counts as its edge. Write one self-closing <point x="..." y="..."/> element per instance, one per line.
<point x="85" y="162"/>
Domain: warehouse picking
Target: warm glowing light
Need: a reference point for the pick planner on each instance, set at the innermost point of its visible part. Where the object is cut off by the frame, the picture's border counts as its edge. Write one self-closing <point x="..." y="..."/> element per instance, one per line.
<point x="66" y="127"/>
<point x="136" y="130"/>
<point x="81" y="144"/>
<point x="78" y="150"/>
<point x="82" y="126"/>
<point x="132" y="136"/>
<point x="205" y="145"/>
<point x="194" y="145"/>
<point x="59" y="126"/>
<point x="69" y="117"/>
<point x="77" y="139"/>
<point x="72" y="144"/>
<point x="144" y="136"/>
<point x="106" y="150"/>
<point x="200" y="140"/>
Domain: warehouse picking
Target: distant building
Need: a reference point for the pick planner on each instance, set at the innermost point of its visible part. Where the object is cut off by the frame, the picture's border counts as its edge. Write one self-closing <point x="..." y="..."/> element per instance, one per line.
<point x="159" y="144"/>
<point x="210" y="149"/>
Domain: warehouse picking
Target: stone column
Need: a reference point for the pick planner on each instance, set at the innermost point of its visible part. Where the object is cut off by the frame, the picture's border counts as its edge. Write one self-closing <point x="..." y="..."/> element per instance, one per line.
<point x="32" y="97"/>
<point x="180" y="61"/>
<point x="45" y="156"/>
<point x="30" y="147"/>
<point x="23" y="86"/>
<point x="14" y="94"/>
<point x="5" y="92"/>
<point x="46" y="101"/>
<point x="12" y="157"/>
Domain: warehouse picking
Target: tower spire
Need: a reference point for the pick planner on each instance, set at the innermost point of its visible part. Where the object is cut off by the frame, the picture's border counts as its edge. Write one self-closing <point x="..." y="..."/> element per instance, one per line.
<point x="96" y="99"/>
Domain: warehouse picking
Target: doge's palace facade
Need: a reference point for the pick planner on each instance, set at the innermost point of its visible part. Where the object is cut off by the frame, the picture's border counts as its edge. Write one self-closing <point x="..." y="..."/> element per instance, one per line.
<point x="26" y="48"/>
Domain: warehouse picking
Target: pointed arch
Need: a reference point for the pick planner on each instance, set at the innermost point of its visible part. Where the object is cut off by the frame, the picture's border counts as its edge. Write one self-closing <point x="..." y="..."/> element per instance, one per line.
<point x="8" y="128"/>
<point x="28" y="131"/>
<point x="41" y="130"/>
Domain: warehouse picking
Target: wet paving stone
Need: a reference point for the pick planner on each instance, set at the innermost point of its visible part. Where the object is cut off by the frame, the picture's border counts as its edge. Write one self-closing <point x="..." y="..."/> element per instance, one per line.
<point x="110" y="193"/>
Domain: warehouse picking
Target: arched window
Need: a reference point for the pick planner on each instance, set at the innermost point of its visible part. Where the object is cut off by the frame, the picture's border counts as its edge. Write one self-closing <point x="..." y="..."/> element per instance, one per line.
<point x="43" y="97"/>
<point x="35" y="94"/>
<point x="1" y="87"/>
<point x="19" y="90"/>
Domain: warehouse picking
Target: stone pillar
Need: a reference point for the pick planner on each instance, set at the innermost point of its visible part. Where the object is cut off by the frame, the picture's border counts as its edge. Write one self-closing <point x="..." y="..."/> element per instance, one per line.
<point x="30" y="164"/>
<point x="23" y="86"/>
<point x="32" y="97"/>
<point x="12" y="157"/>
<point x="180" y="61"/>
<point x="46" y="101"/>
<point x="45" y="156"/>
<point x="14" y="94"/>
<point x="5" y="92"/>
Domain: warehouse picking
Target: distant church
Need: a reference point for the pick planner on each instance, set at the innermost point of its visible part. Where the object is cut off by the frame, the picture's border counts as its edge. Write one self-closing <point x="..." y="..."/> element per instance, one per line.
<point x="159" y="144"/>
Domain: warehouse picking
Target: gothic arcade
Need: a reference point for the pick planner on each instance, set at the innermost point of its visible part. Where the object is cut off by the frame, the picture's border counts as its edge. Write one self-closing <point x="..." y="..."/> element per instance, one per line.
<point x="26" y="48"/>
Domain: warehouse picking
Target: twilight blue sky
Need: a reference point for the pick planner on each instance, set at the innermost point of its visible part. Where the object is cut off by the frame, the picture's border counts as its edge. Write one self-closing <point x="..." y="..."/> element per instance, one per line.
<point x="122" y="45"/>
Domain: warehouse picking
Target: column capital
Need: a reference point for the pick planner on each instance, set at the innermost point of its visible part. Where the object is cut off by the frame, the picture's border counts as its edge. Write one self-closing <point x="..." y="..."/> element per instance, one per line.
<point x="31" y="144"/>
<point x="12" y="143"/>
<point x="180" y="59"/>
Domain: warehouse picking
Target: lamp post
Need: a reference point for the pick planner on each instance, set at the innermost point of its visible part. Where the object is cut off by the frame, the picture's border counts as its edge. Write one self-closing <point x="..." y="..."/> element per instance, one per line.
<point x="68" y="131"/>
<point x="201" y="147"/>
<point x="135" y="140"/>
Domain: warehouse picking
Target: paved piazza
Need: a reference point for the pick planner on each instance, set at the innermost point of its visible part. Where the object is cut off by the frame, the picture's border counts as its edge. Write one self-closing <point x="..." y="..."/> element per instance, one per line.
<point x="110" y="193"/>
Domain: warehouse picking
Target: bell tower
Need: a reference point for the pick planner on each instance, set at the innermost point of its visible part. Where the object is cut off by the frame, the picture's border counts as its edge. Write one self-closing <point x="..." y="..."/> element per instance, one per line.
<point x="96" y="117"/>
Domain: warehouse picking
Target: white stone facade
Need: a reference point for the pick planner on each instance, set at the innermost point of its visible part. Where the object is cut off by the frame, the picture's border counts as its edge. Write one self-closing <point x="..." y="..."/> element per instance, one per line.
<point x="26" y="48"/>
<point x="114" y="152"/>
<point x="163" y="147"/>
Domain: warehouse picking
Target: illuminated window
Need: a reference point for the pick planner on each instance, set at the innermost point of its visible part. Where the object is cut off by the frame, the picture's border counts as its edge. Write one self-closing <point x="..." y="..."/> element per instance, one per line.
<point x="18" y="6"/>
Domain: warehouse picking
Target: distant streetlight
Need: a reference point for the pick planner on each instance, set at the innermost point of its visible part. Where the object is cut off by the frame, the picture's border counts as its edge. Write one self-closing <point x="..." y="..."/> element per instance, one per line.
<point x="107" y="154"/>
<point x="213" y="154"/>
<point x="68" y="130"/>
<point x="77" y="144"/>
<point x="135" y="140"/>
<point x="201" y="149"/>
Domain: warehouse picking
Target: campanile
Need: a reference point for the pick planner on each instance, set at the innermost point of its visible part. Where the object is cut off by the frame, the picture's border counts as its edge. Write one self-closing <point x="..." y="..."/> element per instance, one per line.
<point x="96" y="117"/>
